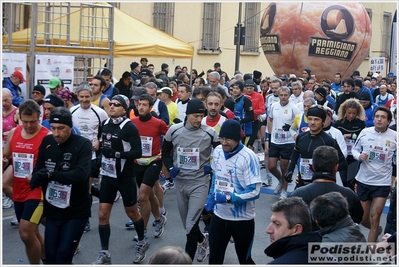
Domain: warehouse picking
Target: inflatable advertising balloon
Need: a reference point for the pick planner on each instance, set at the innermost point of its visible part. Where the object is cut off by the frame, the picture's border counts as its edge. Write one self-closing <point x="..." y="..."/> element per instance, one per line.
<point x="323" y="37"/>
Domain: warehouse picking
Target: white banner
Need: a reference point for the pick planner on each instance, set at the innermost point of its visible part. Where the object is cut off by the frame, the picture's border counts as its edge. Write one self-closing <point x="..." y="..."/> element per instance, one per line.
<point x="48" y="66"/>
<point x="13" y="62"/>
<point x="377" y="64"/>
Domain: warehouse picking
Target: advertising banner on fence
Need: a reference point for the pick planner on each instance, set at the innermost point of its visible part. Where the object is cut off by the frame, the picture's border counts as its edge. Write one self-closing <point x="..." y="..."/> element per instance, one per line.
<point x="13" y="62"/>
<point x="49" y="66"/>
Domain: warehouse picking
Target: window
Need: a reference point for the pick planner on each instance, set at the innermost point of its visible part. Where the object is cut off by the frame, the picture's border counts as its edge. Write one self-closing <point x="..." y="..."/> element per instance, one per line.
<point x="252" y="27"/>
<point x="163" y="17"/>
<point x="386" y="33"/>
<point x="211" y="27"/>
<point x="370" y="13"/>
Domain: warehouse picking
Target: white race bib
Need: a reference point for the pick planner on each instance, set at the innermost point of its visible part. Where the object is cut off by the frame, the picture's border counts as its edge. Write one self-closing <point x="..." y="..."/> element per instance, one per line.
<point x="280" y="135"/>
<point x="188" y="158"/>
<point x="108" y="167"/>
<point x="305" y="170"/>
<point x="377" y="155"/>
<point x="146" y="146"/>
<point x="349" y="144"/>
<point x="23" y="164"/>
<point x="221" y="185"/>
<point x="58" y="195"/>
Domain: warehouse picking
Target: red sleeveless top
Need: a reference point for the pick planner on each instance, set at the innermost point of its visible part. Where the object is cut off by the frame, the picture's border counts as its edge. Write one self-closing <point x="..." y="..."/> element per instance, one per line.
<point x="24" y="155"/>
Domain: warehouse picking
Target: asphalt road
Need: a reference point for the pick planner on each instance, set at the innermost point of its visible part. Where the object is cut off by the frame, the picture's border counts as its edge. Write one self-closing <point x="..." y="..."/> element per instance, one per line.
<point x="121" y="244"/>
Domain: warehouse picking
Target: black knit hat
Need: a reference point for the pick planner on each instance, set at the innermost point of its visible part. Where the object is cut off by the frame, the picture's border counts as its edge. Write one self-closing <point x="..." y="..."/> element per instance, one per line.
<point x="231" y="129"/>
<point x="365" y="96"/>
<point x="195" y="106"/>
<point x="40" y="89"/>
<point x="317" y="111"/>
<point x="134" y="65"/>
<point x="239" y="84"/>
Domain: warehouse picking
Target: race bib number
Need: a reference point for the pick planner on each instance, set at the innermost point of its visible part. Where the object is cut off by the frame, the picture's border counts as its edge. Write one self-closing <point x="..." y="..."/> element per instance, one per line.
<point x="349" y="145"/>
<point x="377" y="155"/>
<point x="108" y="167"/>
<point x="280" y="135"/>
<point x="188" y="158"/>
<point x="23" y="164"/>
<point x="146" y="146"/>
<point x="58" y="195"/>
<point x="221" y="185"/>
<point x="305" y="170"/>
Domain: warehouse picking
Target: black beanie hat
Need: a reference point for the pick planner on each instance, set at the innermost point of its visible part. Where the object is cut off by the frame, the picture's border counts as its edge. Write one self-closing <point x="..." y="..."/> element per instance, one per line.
<point x="56" y="102"/>
<point x="195" y="106"/>
<point x="257" y="74"/>
<point x="317" y="111"/>
<point x="134" y="65"/>
<point x="40" y="89"/>
<point x="365" y="96"/>
<point x="123" y="100"/>
<point x="358" y="82"/>
<point x="321" y="91"/>
<point x="231" y="129"/>
<point x="249" y="83"/>
<point x="239" y="84"/>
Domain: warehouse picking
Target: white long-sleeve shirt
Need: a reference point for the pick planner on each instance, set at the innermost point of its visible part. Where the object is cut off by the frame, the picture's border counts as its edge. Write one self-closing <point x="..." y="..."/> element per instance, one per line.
<point x="377" y="169"/>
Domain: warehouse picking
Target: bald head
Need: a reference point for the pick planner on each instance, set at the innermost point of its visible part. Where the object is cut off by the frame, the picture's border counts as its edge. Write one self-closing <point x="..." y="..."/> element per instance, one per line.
<point x="7" y="92"/>
<point x="307" y="94"/>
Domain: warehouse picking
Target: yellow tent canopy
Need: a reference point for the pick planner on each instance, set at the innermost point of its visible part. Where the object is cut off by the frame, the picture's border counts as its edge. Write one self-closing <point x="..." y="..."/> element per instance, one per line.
<point x="132" y="37"/>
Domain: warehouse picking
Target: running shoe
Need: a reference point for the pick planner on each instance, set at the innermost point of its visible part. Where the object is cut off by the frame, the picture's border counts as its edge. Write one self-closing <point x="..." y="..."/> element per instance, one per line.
<point x="118" y="196"/>
<point x="155" y="222"/>
<point x="160" y="226"/>
<point x="129" y="224"/>
<point x="103" y="258"/>
<point x="283" y="194"/>
<point x="14" y="221"/>
<point x="203" y="249"/>
<point x="140" y="251"/>
<point x="278" y="189"/>
<point x="77" y="249"/>
<point x="269" y="179"/>
<point x="7" y="202"/>
<point x="169" y="184"/>
<point x="87" y="227"/>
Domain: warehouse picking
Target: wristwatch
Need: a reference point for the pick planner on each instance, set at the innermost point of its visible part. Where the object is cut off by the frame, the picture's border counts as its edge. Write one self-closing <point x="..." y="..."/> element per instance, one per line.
<point x="228" y="198"/>
<point x="117" y="155"/>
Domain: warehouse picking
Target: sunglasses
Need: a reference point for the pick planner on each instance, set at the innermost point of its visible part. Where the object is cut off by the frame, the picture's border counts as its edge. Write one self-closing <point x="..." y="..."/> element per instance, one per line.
<point x="115" y="104"/>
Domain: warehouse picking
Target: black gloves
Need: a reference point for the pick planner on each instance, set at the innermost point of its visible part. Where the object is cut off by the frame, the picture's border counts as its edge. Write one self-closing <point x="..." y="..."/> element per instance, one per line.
<point x="176" y="120"/>
<point x="286" y="127"/>
<point x="39" y="178"/>
<point x="288" y="176"/>
<point x="108" y="152"/>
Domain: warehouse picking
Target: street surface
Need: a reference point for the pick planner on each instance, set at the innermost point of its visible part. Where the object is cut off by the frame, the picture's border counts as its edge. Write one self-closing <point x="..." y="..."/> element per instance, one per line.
<point x="122" y="246"/>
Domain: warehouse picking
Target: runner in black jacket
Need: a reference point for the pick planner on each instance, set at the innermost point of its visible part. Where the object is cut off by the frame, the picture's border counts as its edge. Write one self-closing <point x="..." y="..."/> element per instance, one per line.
<point x="307" y="142"/>
<point x="63" y="171"/>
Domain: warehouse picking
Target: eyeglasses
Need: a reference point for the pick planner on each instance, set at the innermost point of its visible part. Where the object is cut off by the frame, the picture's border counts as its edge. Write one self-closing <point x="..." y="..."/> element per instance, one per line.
<point x="115" y="104"/>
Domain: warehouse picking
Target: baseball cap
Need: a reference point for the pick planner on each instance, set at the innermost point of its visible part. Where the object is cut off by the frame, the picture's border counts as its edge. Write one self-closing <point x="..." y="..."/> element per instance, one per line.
<point x="177" y="67"/>
<point x="195" y="106"/>
<point x="166" y="90"/>
<point x="137" y="92"/>
<point x="53" y="83"/>
<point x="19" y="75"/>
